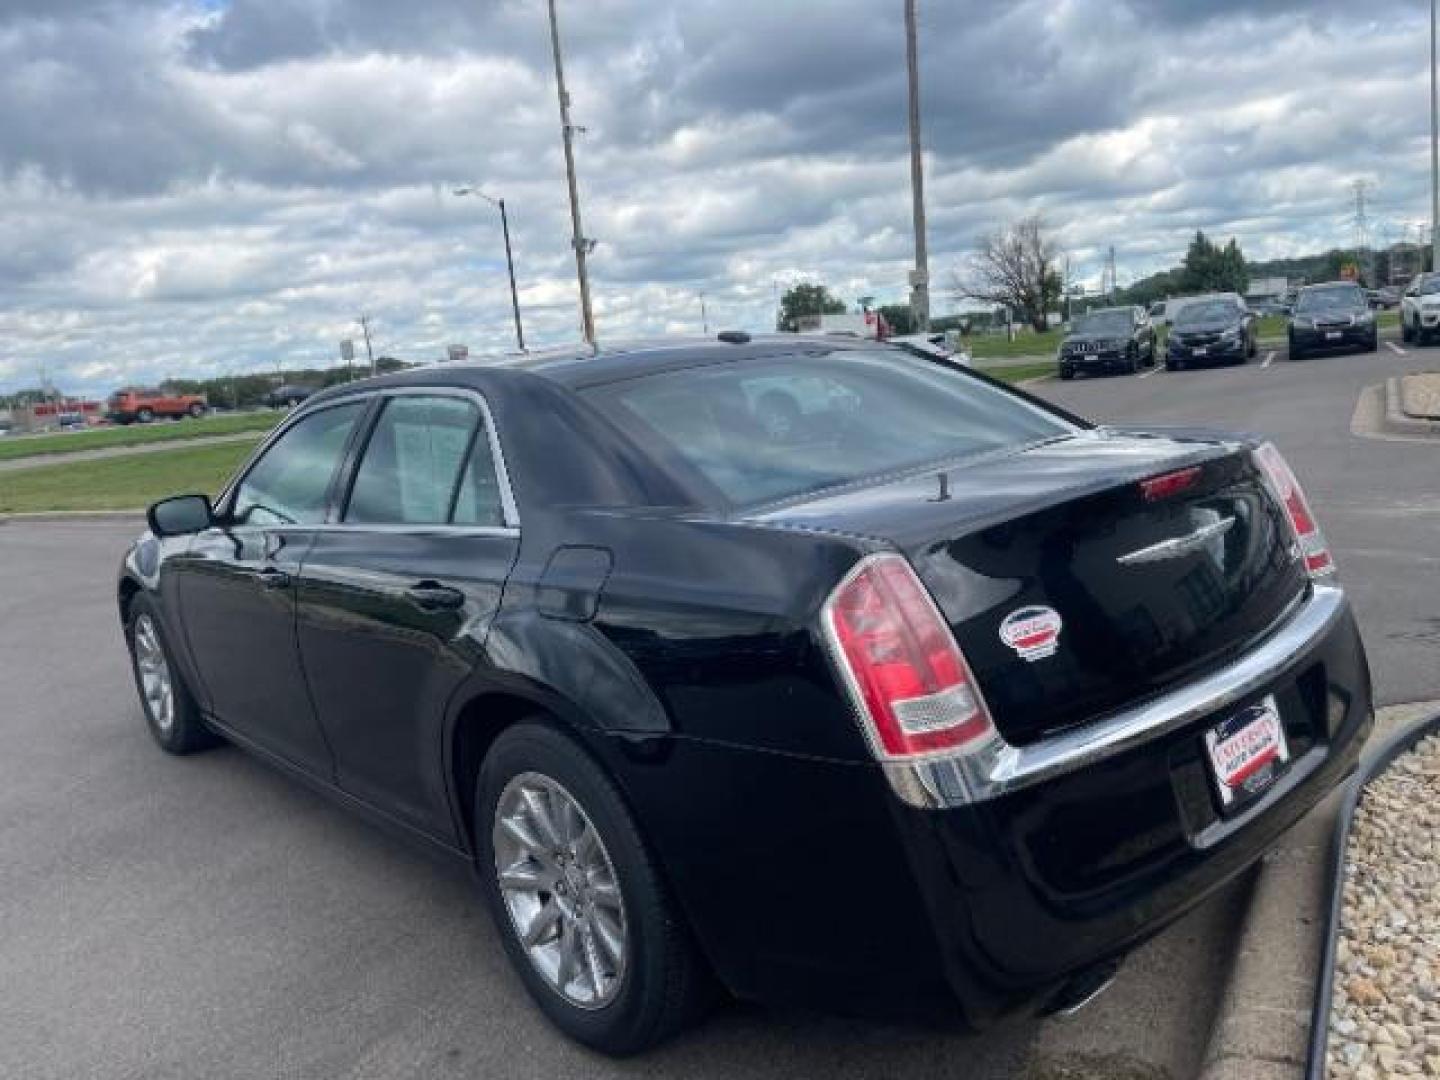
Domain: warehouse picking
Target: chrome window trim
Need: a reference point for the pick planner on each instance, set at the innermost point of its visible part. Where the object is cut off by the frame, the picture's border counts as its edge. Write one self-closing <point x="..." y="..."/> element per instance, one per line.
<point x="508" y="507"/>
<point x="1003" y="768"/>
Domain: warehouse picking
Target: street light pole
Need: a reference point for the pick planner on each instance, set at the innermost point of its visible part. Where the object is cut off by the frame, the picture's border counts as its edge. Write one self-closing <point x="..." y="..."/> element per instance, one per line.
<point x="509" y="257"/>
<point x="920" y="276"/>
<point x="1434" y="154"/>
<point x="581" y="245"/>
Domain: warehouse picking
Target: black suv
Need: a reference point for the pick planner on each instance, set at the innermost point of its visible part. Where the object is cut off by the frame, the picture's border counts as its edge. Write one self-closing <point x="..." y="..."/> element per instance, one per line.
<point x="1332" y="316"/>
<point x="1110" y="339"/>
<point x="1213" y="329"/>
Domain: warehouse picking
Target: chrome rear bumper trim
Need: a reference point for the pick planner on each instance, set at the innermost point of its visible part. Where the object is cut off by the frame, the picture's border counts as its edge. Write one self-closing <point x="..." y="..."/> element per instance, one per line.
<point x="1000" y="768"/>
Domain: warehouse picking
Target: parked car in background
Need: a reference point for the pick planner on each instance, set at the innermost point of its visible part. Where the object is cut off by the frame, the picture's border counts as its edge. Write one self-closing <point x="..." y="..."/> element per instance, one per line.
<point x="1384" y="298"/>
<point x="1108" y="339"/>
<point x="930" y="346"/>
<point x="1332" y="316"/>
<point x="1210" y="330"/>
<point x="1274" y="306"/>
<point x="1420" y="308"/>
<point x="1011" y="691"/>
<point x="142" y="405"/>
<point x="288" y="396"/>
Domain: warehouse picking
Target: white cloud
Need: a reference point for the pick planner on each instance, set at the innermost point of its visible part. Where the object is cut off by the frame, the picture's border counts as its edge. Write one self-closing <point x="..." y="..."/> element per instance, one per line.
<point x="195" y="189"/>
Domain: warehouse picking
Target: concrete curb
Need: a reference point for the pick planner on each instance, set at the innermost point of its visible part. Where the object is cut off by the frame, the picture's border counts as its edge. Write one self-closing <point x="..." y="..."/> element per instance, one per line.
<point x="1262" y="1028"/>
<point x="1409" y="393"/>
<point x="46" y="517"/>
<point x="1397" y="420"/>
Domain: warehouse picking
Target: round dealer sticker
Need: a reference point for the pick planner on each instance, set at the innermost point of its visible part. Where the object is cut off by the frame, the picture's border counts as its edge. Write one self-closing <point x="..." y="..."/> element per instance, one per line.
<point x="1033" y="632"/>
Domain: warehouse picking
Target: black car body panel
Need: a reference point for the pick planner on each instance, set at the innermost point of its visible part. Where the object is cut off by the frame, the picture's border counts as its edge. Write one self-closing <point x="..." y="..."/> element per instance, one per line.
<point x="679" y="643"/>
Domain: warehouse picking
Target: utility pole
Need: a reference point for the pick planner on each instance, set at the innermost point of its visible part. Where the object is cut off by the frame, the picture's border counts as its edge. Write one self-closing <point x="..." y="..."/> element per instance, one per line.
<point x="365" y="326"/>
<point x="920" y="276"/>
<point x="1362" y="231"/>
<point x="1434" y="153"/>
<point x="582" y="246"/>
<point x="704" y="318"/>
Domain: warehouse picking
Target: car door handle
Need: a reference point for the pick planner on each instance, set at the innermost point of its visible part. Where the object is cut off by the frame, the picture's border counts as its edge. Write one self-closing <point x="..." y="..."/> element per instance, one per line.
<point x="273" y="578"/>
<point x="432" y="596"/>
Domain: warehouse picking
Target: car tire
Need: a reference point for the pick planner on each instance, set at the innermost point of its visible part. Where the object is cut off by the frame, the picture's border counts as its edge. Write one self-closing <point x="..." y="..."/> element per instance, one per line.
<point x="1067" y="373"/>
<point x="1173" y="364"/>
<point x="658" y="981"/>
<point x="1373" y="345"/>
<point x="196" y="411"/>
<point x="1406" y="334"/>
<point x="144" y="416"/>
<point x="1132" y="360"/>
<point x="171" y="713"/>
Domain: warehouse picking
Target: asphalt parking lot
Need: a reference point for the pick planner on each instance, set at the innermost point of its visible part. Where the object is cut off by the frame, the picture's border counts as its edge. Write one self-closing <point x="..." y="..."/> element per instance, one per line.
<point x="209" y="918"/>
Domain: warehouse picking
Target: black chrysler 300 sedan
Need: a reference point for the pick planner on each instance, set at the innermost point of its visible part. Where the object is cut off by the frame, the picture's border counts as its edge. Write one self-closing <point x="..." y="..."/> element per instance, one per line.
<point x="806" y="669"/>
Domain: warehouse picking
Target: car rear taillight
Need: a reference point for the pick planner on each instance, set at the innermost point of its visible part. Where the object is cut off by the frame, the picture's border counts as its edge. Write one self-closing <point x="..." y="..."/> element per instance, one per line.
<point x="1313" y="548"/>
<point x="908" y="679"/>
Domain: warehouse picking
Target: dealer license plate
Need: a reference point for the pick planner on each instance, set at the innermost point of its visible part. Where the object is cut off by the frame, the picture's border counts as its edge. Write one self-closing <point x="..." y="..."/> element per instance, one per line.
<point x="1201" y="350"/>
<point x="1333" y="335"/>
<point x="1248" y="753"/>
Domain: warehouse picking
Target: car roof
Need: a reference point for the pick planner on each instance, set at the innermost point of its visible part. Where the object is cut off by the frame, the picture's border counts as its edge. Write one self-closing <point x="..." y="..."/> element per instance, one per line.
<point x="581" y="365"/>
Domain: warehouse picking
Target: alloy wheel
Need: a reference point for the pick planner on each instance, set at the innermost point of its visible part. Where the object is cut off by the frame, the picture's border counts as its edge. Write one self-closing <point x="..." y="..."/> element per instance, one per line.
<point x="156" y="684"/>
<point x="559" y="887"/>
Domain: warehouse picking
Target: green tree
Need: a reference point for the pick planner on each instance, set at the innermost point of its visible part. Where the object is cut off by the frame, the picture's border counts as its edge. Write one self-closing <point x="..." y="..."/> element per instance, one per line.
<point x="803" y="304"/>
<point x="1212" y="268"/>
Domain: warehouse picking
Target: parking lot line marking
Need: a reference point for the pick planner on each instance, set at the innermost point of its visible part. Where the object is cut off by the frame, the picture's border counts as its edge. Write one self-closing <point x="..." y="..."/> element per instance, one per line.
<point x="1396" y="349"/>
<point x="1151" y="371"/>
<point x="1269" y="359"/>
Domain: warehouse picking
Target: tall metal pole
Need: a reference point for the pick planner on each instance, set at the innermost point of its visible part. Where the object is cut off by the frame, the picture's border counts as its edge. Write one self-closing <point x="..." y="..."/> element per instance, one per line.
<point x="920" y="276"/>
<point x="704" y="318"/>
<point x="1434" y="153"/>
<point x="365" y="325"/>
<point x="567" y="130"/>
<point x="510" y="265"/>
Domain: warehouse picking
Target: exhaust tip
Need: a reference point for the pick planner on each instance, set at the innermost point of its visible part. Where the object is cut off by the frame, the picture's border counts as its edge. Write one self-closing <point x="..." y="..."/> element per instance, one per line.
<point x="1082" y="989"/>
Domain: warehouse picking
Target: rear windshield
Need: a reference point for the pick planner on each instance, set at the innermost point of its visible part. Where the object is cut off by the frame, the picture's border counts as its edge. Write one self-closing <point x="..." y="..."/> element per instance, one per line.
<point x="1104" y="322"/>
<point x="1340" y="296"/>
<point x="768" y="429"/>
<point x="1207" y="311"/>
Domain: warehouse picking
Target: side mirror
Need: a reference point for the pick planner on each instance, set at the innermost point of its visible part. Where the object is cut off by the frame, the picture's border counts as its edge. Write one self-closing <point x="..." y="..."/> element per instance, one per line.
<point x="181" y="515"/>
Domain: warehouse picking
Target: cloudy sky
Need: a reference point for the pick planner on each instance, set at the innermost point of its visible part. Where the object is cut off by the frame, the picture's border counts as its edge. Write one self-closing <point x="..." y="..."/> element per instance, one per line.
<point x="193" y="187"/>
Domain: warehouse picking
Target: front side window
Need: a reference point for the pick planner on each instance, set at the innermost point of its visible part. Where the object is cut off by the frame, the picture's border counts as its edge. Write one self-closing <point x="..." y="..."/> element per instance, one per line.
<point x="288" y="485"/>
<point x="427" y="462"/>
<point x="776" y="427"/>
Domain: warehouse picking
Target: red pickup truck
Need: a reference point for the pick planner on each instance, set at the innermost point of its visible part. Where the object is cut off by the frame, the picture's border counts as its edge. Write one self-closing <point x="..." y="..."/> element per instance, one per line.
<point x="134" y="404"/>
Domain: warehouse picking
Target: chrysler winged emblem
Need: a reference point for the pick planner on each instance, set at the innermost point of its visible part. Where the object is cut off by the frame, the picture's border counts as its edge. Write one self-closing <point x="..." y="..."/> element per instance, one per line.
<point x="1179" y="545"/>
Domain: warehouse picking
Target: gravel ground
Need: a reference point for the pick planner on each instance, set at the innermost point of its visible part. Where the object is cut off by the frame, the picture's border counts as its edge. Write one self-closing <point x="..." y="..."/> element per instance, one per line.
<point x="1385" y="1019"/>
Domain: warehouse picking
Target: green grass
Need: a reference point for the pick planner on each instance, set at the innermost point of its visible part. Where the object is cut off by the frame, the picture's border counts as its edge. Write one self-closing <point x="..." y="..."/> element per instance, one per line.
<point x="127" y="482"/>
<point x="1027" y="343"/>
<point x="1017" y="372"/>
<point x="22" y="446"/>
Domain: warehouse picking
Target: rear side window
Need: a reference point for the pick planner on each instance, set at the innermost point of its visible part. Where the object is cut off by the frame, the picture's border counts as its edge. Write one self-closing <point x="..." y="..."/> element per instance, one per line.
<point x="761" y="430"/>
<point x="288" y="485"/>
<point x="421" y="466"/>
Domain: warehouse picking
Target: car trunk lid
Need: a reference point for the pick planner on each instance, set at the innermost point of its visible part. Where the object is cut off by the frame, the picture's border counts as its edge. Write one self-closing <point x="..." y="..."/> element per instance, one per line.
<point x="1072" y="584"/>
